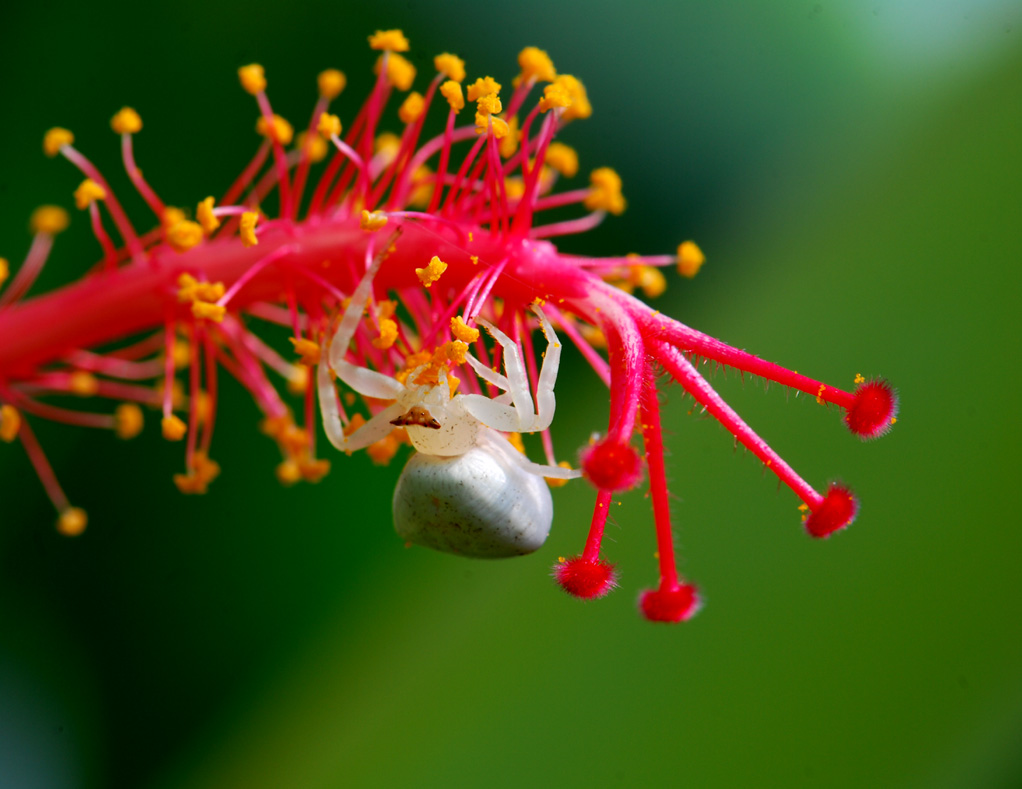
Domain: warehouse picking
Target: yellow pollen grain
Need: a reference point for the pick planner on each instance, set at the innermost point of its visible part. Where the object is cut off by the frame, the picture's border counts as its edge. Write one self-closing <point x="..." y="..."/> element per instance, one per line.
<point x="82" y="383"/>
<point x="331" y="83"/>
<point x="299" y="380"/>
<point x="498" y="125"/>
<point x="173" y="428"/>
<point x="288" y="472"/>
<point x="489" y="104"/>
<point x="313" y="470"/>
<point x="451" y="91"/>
<point x="690" y="259"/>
<point x="462" y="331"/>
<point x="562" y="158"/>
<point x="431" y="273"/>
<point x="605" y="191"/>
<point x="204" y="213"/>
<point x="72" y="522"/>
<point x="126" y="121"/>
<point x="203" y="310"/>
<point x="651" y="280"/>
<point x="280" y="130"/>
<point x="411" y="108"/>
<point x="128" y="420"/>
<point x="10" y="423"/>
<point x="859" y="379"/>
<point x="5" y="270"/>
<point x="381" y="452"/>
<point x="536" y="65"/>
<point x="49" y="219"/>
<point x="819" y="393"/>
<point x="184" y="235"/>
<point x="246" y="228"/>
<point x="329" y="125"/>
<point x="87" y="192"/>
<point x="371" y="221"/>
<point x="393" y="40"/>
<point x="388" y="334"/>
<point x="474" y="259"/>
<point x="482" y="87"/>
<point x="55" y="139"/>
<point x="252" y="78"/>
<point x="308" y="350"/>
<point x="451" y="66"/>
<point x="400" y="72"/>
<point x="554" y="482"/>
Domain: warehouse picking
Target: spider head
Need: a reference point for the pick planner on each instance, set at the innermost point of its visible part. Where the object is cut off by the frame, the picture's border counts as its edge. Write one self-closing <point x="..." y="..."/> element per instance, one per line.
<point x="436" y="422"/>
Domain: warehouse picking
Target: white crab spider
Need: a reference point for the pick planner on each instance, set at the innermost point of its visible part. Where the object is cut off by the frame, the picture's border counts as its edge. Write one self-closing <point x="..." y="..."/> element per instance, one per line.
<point x="466" y="490"/>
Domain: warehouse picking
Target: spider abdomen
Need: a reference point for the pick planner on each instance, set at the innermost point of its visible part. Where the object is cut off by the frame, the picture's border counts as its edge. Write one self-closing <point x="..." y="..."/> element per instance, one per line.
<point x="478" y="504"/>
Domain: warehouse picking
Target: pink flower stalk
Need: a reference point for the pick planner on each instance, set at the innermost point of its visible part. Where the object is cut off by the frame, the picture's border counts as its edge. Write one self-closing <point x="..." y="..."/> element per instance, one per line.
<point x="442" y="233"/>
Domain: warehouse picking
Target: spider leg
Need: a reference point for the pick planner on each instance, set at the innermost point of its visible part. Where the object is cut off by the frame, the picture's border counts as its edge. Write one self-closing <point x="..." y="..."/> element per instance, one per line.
<point x="372" y="431"/>
<point x="502" y="446"/>
<point x="545" y="402"/>
<point x="514" y="369"/>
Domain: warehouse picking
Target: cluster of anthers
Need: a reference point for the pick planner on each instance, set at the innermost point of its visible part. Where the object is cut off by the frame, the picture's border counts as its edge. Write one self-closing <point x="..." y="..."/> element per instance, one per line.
<point x="382" y="270"/>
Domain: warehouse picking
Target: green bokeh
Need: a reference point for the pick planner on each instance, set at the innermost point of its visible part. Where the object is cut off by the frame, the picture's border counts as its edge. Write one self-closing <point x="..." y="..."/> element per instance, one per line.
<point x="853" y="173"/>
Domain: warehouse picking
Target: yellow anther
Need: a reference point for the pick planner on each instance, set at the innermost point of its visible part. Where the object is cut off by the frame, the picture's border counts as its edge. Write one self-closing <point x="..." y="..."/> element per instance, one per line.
<point x="498" y="125"/>
<point x="690" y="259"/>
<point x="190" y="289"/>
<point x="859" y="379"/>
<point x="417" y="359"/>
<point x="246" y="228"/>
<point x="10" y="423"/>
<point x="515" y="440"/>
<point x="580" y="107"/>
<point x="173" y="428"/>
<point x="280" y="130"/>
<point x="49" y="219"/>
<point x="452" y="352"/>
<point x="509" y="144"/>
<point x="356" y="421"/>
<point x="650" y="279"/>
<point x="605" y="194"/>
<point x="308" y="350"/>
<point x="172" y="215"/>
<point x="451" y="66"/>
<point x="400" y="72"/>
<point x="411" y="108"/>
<point x="128" y="420"/>
<point x="393" y="40"/>
<point x="514" y="187"/>
<point x="313" y="470"/>
<point x="431" y="273"/>
<point x="204" y="310"/>
<point x="87" y="192"/>
<point x="387" y="144"/>
<point x="422" y="190"/>
<point x="388" y="334"/>
<point x="315" y="147"/>
<point x="554" y="95"/>
<point x="385" y="309"/>
<point x="559" y="483"/>
<point x="55" y="139"/>
<point x="489" y="104"/>
<point x="181" y="351"/>
<point x="72" y="521"/>
<point x="382" y="451"/>
<point x="203" y="472"/>
<point x="82" y="383"/>
<point x="184" y="235"/>
<point x="204" y="213"/>
<point x="451" y="91"/>
<point x="329" y="125"/>
<point x="5" y="270"/>
<point x="372" y="221"/>
<point x="562" y="158"/>
<point x="482" y="87"/>
<point x="593" y="336"/>
<point x="253" y="78"/>
<point x="127" y="121"/>
<point x="453" y="382"/>
<point x="536" y="65"/>
<point x="288" y="472"/>
<point x="462" y="331"/>
<point x="331" y="82"/>
<point x="299" y="380"/>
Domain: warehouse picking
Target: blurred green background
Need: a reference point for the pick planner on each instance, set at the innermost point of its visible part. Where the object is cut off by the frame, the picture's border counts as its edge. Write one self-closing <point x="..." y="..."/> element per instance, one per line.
<point x="852" y="171"/>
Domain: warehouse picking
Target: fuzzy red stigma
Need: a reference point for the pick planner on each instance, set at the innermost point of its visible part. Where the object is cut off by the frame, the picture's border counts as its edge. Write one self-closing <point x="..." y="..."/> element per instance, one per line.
<point x="677" y="603"/>
<point x="873" y="411"/>
<point x="612" y="465"/>
<point x="584" y="579"/>
<point x="837" y="511"/>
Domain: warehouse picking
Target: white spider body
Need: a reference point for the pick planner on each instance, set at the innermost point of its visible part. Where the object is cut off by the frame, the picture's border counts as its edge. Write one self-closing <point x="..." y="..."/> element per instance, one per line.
<point x="467" y="490"/>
